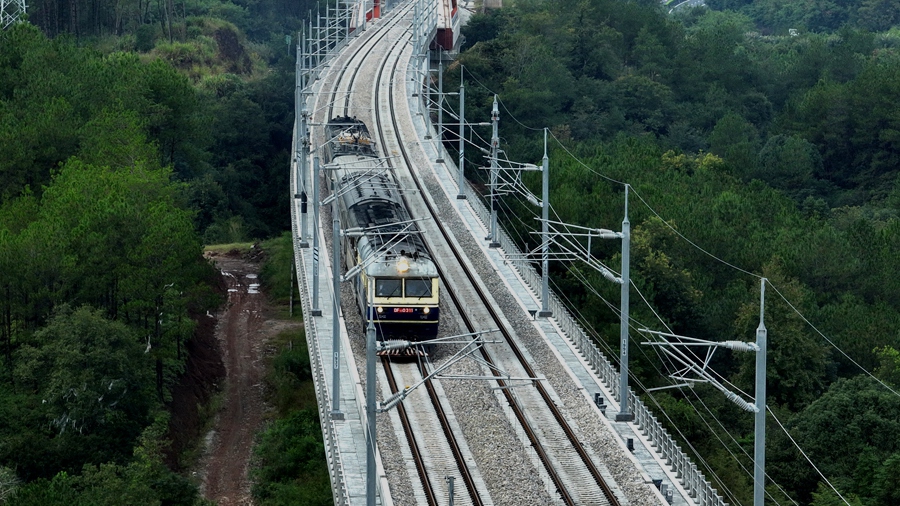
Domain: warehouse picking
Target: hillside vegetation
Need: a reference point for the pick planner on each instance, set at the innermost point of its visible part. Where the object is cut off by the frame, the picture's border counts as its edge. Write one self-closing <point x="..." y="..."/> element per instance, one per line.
<point x="131" y="133"/>
<point x="773" y="153"/>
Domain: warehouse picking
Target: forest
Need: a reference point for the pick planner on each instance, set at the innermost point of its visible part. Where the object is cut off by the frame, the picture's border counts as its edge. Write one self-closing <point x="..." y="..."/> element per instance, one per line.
<point x="758" y="139"/>
<point x="131" y="135"/>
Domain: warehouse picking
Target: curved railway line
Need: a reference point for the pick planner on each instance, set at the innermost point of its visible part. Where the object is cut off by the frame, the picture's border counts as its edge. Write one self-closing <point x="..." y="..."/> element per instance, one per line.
<point x="533" y="433"/>
<point x="422" y="449"/>
<point x="569" y="464"/>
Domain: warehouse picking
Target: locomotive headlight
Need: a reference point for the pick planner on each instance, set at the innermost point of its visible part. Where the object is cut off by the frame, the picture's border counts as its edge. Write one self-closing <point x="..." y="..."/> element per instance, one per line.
<point x="379" y="309"/>
<point x="426" y="310"/>
<point x="402" y="265"/>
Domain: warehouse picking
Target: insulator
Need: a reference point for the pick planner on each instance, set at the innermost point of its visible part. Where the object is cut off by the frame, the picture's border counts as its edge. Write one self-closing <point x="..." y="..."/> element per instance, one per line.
<point x="746" y="406"/>
<point x="394" y="345"/>
<point x="609" y="275"/>
<point x="393" y="400"/>
<point x="608" y="234"/>
<point x="739" y="346"/>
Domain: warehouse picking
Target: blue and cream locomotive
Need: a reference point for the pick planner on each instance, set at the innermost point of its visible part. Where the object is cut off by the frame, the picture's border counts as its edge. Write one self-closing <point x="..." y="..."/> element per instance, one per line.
<point x="397" y="285"/>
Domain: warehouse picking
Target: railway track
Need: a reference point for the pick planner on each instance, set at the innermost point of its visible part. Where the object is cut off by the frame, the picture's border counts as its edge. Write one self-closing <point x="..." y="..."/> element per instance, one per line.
<point x="430" y="436"/>
<point x="424" y="414"/>
<point x="568" y="464"/>
<point x="554" y="440"/>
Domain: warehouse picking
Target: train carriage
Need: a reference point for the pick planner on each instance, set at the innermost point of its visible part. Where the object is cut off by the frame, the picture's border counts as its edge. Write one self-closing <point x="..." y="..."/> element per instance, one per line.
<point x="397" y="285"/>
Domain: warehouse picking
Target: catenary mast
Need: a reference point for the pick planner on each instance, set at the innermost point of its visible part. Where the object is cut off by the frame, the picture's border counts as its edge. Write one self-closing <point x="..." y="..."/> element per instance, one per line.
<point x="10" y="12"/>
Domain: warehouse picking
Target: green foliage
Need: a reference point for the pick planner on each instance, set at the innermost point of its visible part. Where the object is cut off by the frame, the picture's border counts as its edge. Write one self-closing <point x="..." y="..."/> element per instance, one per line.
<point x="60" y="100"/>
<point x="483" y="26"/>
<point x="9" y="484"/>
<point x="796" y="359"/>
<point x="83" y="395"/>
<point x="90" y="218"/>
<point x="108" y="233"/>
<point x="889" y="368"/>
<point x="117" y="241"/>
<point x="825" y="496"/>
<point x="665" y="281"/>
<point x="228" y="138"/>
<point x="292" y="466"/>
<point x="289" y="378"/>
<point x="791" y="134"/>
<point x="737" y="142"/>
<point x="145" y="480"/>
<point x="853" y="434"/>
<point x="92" y="379"/>
<point x="788" y="164"/>
<point x="277" y="272"/>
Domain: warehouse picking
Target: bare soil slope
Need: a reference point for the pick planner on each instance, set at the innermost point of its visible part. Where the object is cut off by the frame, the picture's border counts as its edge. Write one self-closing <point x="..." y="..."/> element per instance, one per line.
<point x="245" y="325"/>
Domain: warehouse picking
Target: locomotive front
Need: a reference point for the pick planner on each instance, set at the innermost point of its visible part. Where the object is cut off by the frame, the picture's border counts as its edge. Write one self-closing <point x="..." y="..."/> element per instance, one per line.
<point x="402" y="295"/>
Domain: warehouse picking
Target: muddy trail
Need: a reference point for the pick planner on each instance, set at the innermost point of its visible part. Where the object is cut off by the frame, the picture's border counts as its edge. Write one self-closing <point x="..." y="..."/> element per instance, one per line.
<point x="246" y="324"/>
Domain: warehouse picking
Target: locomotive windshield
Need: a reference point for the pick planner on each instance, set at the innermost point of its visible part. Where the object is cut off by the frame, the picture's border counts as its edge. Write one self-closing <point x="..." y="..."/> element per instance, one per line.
<point x="393" y="287"/>
<point x="388" y="287"/>
<point x="418" y="288"/>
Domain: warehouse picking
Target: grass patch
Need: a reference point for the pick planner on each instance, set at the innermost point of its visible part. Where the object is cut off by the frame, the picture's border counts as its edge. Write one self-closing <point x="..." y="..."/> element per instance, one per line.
<point x="277" y="275"/>
<point x="289" y="465"/>
<point x="242" y="247"/>
<point x="289" y="376"/>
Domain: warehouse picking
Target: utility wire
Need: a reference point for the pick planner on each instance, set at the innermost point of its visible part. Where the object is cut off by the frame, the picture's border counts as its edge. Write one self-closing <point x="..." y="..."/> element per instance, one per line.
<point x="688" y="400"/>
<point x="638" y="382"/>
<point x="805" y="455"/>
<point x="716" y="258"/>
<point x="848" y="357"/>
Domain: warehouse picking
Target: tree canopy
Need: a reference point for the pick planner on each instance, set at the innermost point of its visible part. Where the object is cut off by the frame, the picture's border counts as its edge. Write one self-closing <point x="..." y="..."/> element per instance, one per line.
<point x="770" y="153"/>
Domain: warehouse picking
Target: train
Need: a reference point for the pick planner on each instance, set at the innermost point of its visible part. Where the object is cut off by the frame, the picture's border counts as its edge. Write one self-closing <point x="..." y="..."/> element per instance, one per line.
<point x="397" y="283"/>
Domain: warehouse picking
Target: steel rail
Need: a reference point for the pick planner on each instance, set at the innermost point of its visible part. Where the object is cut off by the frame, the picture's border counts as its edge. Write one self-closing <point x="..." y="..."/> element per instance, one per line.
<point x="466" y="476"/>
<point x="436" y="401"/>
<point x="368" y="48"/>
<point x="410" y="435"/>
<point x="507" y="333"/>
<point x="514" y="404"/>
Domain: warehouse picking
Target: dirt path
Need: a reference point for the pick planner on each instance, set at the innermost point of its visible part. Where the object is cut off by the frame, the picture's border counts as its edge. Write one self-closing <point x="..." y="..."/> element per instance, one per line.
<point x="245" y="325"/>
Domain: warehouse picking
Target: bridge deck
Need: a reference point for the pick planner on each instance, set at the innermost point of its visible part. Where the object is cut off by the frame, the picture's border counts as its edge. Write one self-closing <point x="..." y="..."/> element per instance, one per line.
<point x="349" y="432"/>
<point x="645" y="458"/>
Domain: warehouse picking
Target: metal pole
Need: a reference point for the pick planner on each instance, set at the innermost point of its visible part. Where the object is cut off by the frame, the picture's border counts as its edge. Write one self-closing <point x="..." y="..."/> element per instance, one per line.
<point x="545" y="234"/>
<point x="460" y="180"/>
<point x="415" y="34"/>
<point x="370" y="412"/>
<point x="335" y="309"/>
<point x="316" y="311"/>
<point x="415" y="44"/>
<point x="495" y="146"/>
<point x="624" y="414"/>
<point x="365" y="13"/>
<point x="423" y="79"/>
<point x="292" y="289"/>
<point x="345" y="18"/>
<point x="426" y="78"/>
<point x="759" y="436"/>
<point x="297" y="121"/>
<point x="440" y="130"/>
<point x="304" y="160"/>
<point x="450" y="491"/>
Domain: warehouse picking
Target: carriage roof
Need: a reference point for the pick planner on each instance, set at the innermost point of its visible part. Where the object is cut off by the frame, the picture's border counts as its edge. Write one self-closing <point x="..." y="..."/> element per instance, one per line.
<point x="349" y="136"/>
